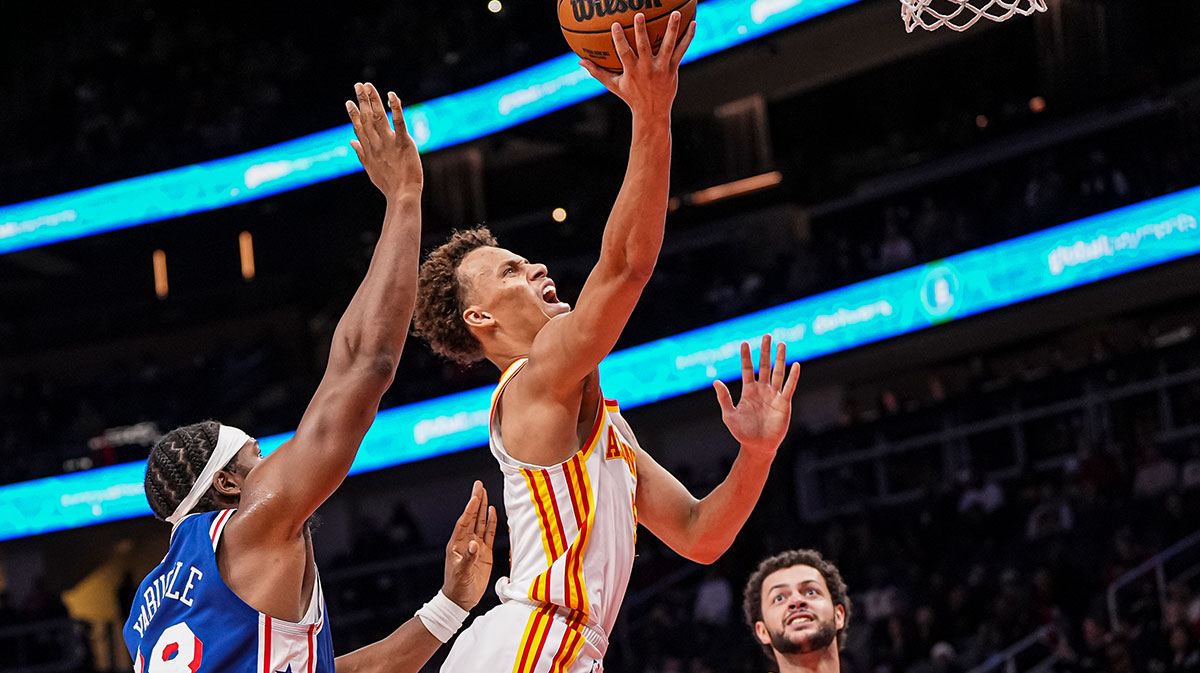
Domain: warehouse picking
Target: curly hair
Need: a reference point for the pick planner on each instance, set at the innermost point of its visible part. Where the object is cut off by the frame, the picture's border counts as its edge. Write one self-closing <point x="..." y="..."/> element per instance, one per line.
<point x="752" y="596"/>
<point x="174" y="464"/>
<point x="441" y="297"/>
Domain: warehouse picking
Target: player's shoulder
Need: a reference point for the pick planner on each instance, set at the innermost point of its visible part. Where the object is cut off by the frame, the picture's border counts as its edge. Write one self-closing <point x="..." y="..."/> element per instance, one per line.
<point x="201" y="526"/>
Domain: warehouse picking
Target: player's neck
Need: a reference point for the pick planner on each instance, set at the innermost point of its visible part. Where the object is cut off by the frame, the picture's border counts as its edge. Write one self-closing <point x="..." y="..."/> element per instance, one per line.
<point x="503" y="360"/>
<point x="503" y="353"/>
<point x="825" y="661"/>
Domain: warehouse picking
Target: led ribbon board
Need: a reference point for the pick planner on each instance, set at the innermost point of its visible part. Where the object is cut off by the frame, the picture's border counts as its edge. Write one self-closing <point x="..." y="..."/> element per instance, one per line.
<point x="442" y="122"/>
<point x="1115" y="243"/>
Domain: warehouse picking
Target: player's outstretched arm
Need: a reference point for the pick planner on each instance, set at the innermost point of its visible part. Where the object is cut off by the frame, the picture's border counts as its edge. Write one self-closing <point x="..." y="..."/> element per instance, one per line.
<point x="701" y="530"/>
<point x="570" y="347"/>
<point x="468" y="571"/>
<point x="292" y="482"/>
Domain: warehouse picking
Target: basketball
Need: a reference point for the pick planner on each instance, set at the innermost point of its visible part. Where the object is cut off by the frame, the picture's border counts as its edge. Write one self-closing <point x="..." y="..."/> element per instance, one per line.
<point x="587" y="25"/>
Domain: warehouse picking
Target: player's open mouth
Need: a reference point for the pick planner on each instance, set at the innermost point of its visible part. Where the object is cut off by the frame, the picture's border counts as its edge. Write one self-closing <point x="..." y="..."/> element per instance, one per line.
<point x="550" y="296"/>
<point x="800" y="618"/>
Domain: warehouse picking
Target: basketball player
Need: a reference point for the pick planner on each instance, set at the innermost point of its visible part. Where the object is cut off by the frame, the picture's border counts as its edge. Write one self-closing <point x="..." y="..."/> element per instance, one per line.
<point x="238" y="589"/>
<point x="797" y="606"/>
<point x="576" y="482"/>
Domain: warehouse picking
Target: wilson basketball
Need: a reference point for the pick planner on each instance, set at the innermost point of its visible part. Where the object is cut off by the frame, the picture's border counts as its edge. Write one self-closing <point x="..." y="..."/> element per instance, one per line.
<point x="587" y="25"/>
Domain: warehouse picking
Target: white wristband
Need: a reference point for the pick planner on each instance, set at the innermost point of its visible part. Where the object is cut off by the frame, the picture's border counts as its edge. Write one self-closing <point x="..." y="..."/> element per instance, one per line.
<point x="442" y="616"/>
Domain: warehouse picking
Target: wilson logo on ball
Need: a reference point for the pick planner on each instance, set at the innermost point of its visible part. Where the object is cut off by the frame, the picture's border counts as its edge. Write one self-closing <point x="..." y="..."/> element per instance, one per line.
<point x="589" y="9"/>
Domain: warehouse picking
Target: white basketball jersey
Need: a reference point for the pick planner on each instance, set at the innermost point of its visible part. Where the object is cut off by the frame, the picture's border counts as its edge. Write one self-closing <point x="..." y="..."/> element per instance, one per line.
<point x="572" y="526"/>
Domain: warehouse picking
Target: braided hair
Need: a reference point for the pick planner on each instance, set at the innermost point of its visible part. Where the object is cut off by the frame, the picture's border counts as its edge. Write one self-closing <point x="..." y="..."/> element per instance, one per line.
<point x="174" y="464"/>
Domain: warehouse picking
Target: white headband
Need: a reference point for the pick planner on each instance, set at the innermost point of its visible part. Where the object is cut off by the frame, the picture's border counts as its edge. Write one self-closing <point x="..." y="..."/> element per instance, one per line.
<point x="229" y="441"/>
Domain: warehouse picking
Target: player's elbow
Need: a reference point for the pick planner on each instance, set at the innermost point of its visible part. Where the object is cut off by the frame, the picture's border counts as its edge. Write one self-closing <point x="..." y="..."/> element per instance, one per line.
<point x="704" y="548"/>
<point x="380" y="364"/>
<point x="704" y="554"/>
<point x="638" y="271"/>
<point x="367" y="361"/>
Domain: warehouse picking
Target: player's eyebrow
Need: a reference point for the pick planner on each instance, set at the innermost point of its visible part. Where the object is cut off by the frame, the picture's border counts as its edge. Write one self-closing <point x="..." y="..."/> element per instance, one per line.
<point x="784" y="585"/>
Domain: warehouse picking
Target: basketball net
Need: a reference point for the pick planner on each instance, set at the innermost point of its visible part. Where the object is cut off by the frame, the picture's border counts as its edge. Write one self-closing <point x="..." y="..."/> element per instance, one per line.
<point x="962" y="14"/>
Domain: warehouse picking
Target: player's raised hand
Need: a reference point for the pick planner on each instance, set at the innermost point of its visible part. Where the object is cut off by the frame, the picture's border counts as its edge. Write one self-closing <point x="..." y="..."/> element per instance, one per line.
<point x="469" y="552"/>
<point x="649" y="81"/>
<point x="761" y="417"/>
<point x="389" y="154"/>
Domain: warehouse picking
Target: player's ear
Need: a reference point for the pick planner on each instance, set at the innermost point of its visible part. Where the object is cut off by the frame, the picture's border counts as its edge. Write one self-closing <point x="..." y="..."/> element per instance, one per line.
<point x="227" y="483"/>
<point x="760" y="630"/>
<point x="839" y="617"/>
<point x="477" y="318"/>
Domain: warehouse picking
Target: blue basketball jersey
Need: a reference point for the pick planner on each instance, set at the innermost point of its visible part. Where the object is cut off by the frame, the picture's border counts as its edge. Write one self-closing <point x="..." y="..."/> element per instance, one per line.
<point x="185" y="619"/>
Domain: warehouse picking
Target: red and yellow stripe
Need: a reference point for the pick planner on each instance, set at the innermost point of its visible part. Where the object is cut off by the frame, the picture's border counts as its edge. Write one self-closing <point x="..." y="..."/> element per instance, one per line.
<point x="580" y="487"/>
<point x="534" y="639"/>
<point x="504" y="379"/>
<point x="572" y="643"/>
<point x="593" y="439"/>
<point x="553" y="530"/>
<point x="553" y="535"/>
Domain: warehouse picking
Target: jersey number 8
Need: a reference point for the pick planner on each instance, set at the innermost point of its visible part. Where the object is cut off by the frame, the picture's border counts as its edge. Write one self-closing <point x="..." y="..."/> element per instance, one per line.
<point x="178" y="650"/>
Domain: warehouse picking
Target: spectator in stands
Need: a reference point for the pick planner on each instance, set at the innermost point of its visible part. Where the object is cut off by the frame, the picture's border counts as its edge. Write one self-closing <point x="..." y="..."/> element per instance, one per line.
<point x="42" y="603"/>
<point x="1098" y="470"/>
<point x="714" y="600"/>
<point x="1156" y="474"/>
<point x="944" y="659"/>
<point x="1184" y="655"/>
<point x="403" y="531"/>
<point x="1052" y="516"/>
<point x="981" y="493"/>
<point x="1189" y="479"/>
<point x="896" y="251"/>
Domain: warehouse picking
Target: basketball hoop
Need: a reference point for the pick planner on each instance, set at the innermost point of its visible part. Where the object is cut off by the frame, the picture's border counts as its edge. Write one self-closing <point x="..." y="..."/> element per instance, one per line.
<point x="962" y="14"/>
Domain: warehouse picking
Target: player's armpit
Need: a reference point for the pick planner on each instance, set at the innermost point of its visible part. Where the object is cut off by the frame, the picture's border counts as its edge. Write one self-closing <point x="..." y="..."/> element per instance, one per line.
<point x="291" y="483"/>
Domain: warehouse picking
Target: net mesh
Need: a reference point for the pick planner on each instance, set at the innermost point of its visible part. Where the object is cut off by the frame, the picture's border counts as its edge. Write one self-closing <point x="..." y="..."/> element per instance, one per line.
<point x="962" y="14"/>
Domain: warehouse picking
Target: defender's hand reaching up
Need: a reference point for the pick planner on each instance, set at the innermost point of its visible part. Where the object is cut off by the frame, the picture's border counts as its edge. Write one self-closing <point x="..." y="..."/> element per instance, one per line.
<point x="469" y="552"/>
<point x="761" y="418"/>
<point x="650" y="80"/>
<point x="389" y="155"/>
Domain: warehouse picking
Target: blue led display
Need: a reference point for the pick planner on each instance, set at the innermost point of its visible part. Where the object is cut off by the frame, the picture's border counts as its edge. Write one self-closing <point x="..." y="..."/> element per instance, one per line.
<point x="434" y="124"/>
<point x="1115" y="243"/>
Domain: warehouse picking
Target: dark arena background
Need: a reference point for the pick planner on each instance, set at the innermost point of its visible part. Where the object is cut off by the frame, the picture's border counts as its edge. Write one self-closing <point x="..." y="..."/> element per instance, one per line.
<point x="1000" y="450"/>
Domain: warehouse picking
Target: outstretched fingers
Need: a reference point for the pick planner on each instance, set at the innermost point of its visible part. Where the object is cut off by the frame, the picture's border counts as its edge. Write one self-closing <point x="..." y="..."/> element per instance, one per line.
<point x="466" y="522"/>
<point x="747" y="365"/>
<point x="723" y="397"/>
<point x="378" y="115"/>
<point x="367" y="135"/>
<point x="624" y="51"/>
<point x="641" y="36"/>
<point x="789" y="388"/>
<point x="397" y="113"/>
<point x="489" y="535"/>
<point x="780" y="367"/>
<point x="481" y="517"/>
<point x="685" y="42"/>
<point x="356" y="122"/>
<point x="764" y="360"/>
<point x="666" y="50"/>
